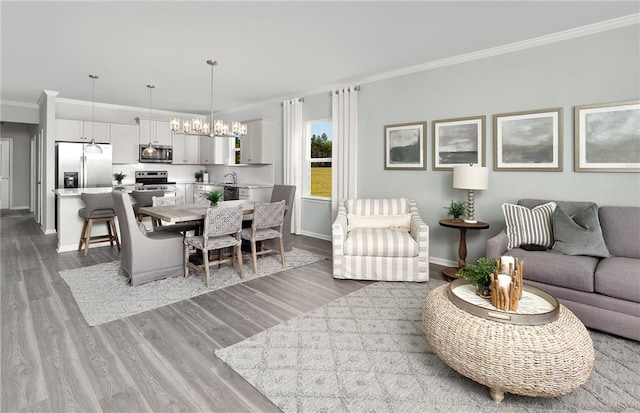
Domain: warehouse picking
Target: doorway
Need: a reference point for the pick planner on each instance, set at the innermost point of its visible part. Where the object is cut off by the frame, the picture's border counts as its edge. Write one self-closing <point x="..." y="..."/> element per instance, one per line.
<point x="5" y="173"/>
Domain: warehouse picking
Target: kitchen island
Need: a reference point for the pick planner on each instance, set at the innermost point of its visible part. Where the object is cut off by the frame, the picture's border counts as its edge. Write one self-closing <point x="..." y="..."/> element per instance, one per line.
<point x="69" y="223"/>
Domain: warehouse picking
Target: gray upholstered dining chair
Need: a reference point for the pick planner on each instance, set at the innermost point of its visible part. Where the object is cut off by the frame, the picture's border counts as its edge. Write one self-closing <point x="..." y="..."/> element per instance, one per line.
<point x="144" y="199"/>
<point x="98" y="208"/>
<point x="222" y="228"/>
<point x="268" y="220"/>
<point x="286" y="193"/>
<point x="145" y="256"/>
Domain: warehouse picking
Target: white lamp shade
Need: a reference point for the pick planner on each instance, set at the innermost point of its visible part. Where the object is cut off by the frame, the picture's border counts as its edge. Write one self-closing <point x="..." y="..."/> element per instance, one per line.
<point x="470" y="177"/>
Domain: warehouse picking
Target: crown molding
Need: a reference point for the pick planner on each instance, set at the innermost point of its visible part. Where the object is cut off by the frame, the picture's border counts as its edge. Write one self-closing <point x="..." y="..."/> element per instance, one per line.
<point x="122" y="107"/>
<point x="19" y="104"/>
<point x="607" y="25"/>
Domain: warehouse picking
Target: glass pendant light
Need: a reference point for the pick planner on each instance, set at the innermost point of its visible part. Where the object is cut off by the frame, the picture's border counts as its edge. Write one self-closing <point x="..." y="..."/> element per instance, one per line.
<point x="150" y="151"/>
<point x="93" y="147"/>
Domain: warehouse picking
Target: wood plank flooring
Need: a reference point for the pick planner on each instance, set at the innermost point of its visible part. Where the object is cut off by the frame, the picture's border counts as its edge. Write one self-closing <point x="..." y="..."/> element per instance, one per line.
<point x="159" y="361"/>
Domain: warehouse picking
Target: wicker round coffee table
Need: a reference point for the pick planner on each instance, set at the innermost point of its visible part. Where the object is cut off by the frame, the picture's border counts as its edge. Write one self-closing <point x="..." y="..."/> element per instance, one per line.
<point x="547" y="359"/>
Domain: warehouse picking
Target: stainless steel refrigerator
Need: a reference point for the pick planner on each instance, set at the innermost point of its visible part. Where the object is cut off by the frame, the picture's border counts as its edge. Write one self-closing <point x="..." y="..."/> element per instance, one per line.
<point x="77" y="169"/>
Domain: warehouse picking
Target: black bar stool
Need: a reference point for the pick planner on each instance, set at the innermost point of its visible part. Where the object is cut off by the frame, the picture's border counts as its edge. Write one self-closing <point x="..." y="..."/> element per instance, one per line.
<point x="98" y="208"/>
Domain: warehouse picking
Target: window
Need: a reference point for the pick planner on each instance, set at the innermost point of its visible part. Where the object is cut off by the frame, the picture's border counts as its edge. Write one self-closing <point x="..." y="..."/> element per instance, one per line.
<point x="319" y="134"/>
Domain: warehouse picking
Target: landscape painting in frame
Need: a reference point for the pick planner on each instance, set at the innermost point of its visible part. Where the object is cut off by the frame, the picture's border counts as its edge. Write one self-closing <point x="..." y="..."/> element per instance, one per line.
<point x="458" y="142"/>
<point x="404" y="146"/>
<point x="528" y="141"/>
<point x="607" y="137"/>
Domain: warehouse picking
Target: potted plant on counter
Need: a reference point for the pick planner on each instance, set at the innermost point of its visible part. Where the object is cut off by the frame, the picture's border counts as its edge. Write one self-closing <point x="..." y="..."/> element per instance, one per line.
<point x="456" y="209"/>
<point x="119" y="176"/>
<point x="214" y="197"/>
<point x="198" y="176"/>
<point x="479" y="275"/>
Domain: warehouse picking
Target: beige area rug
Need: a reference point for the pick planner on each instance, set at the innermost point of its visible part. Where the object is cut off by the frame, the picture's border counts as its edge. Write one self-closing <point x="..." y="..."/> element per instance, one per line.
<point x="366" y="352"/>
<point x="103" y="294"/>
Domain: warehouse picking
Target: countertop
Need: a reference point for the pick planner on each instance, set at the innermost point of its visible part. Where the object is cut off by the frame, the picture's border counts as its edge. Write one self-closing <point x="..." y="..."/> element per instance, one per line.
<point x="239" y="185"/>
<point x="70" y="192"/>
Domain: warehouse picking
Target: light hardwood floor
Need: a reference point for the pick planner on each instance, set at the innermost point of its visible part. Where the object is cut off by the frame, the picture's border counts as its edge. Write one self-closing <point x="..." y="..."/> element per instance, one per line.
<point x="158" y="361"/>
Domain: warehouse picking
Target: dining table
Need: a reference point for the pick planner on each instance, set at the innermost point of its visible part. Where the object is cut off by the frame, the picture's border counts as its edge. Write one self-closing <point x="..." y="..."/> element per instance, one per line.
<point x="192" y="212"/>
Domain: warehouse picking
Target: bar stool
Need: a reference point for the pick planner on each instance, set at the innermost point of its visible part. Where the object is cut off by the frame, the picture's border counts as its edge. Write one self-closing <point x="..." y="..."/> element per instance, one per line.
<point x="98" y="208"/>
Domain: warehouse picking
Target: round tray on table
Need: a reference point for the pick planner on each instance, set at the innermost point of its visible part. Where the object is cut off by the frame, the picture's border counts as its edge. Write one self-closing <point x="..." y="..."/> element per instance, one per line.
<point x="536" y="306"/>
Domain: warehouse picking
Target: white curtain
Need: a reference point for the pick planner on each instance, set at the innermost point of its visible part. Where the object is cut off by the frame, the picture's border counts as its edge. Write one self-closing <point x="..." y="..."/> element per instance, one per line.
<point x="293" y="156"/>
<point x="344" y="114"/>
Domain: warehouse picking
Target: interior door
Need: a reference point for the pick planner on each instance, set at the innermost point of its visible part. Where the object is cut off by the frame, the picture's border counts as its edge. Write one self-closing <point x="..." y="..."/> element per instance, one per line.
<point x="5" y="173"/>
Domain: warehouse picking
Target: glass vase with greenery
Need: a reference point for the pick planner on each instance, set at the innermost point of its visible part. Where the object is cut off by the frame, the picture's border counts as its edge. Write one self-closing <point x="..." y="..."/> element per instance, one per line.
<point x="479" y="274"/>
<point x="456" y="209"/>
<point x="214" y="197"/>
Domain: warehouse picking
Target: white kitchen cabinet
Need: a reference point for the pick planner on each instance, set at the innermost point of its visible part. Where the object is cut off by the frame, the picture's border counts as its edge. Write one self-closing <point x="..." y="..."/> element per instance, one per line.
<point x="257" y="146"/>
<point x="188" y="193"/>
<point x="160" y="132"/>
<point x="204" y="188"/>
<point x="255" y="194"/>
<point x="71" y="130"/>
<point x="213" y="150"/>
<point x="186" y="149"/>
<point x="124" y="140"/>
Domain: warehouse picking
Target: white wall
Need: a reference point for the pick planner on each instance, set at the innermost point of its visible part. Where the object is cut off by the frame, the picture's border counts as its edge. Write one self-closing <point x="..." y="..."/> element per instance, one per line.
<point x="597" y="68"/>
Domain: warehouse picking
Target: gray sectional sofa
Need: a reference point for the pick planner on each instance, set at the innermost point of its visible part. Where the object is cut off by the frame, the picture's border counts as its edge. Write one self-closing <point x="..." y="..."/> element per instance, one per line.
<point x="603" y="292"/>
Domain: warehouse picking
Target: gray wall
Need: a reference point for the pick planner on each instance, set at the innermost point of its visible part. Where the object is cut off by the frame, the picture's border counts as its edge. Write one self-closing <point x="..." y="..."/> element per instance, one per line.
<point x="597" y="68"/>
<point x="20" y="133"/>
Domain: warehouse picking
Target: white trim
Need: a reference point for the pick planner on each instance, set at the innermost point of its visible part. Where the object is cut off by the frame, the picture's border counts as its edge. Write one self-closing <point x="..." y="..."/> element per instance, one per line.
<point x="508" y="48"/>
<point x="316" y="235"/>
<point x="442" y="261"/>
<point x="316" y="199"/>
<point x="21" y="104"/>
<point x="569" y="34"/>
<point x="123" y="107"/>
<point x="10" y="180"/>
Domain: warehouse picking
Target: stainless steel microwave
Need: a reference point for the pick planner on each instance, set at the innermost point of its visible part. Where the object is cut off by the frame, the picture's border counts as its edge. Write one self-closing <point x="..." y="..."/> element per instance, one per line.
<point x="164" y="154"/>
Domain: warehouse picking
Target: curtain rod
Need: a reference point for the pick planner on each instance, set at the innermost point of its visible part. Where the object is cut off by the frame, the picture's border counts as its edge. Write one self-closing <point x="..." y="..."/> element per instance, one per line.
<point x="299" y="100"/>
<point x="356" y="88"/>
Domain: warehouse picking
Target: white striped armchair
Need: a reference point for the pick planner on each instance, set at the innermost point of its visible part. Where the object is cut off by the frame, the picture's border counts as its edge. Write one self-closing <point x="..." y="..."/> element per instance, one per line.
<point x="380" y="239"/>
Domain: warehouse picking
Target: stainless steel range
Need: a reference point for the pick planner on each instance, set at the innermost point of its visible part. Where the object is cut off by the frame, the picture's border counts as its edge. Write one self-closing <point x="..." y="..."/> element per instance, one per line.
<point x="154" y="181"/>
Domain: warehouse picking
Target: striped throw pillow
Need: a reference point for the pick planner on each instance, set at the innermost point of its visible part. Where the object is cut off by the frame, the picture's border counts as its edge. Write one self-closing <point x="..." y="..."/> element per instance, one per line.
<point x="529" y="226"/>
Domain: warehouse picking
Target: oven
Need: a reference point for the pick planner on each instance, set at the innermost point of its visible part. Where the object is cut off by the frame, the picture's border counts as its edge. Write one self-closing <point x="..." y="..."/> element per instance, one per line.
<point x="164" y="154"/>
<point x="154" y="181"/>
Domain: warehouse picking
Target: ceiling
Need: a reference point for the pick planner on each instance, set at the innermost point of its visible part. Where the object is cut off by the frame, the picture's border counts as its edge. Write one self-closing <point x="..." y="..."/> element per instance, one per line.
<point x="266" y="50"/>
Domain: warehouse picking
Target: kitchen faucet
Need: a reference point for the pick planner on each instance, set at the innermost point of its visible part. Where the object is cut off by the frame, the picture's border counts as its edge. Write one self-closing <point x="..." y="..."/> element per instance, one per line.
<point x="233" y="175"/>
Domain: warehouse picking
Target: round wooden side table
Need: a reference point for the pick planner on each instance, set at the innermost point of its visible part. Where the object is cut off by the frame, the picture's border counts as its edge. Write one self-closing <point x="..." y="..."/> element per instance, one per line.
<point x="450" y="272"/>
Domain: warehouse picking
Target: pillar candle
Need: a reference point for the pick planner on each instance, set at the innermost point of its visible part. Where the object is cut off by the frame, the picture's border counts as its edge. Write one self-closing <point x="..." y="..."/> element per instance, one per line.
<point x="504" y="263"/>
<point x="504" y="280"/>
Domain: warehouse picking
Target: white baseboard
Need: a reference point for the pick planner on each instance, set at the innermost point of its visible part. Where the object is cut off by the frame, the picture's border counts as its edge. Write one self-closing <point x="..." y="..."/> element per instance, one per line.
<point x="316" y="235"/>
<point x="442" y="261"/>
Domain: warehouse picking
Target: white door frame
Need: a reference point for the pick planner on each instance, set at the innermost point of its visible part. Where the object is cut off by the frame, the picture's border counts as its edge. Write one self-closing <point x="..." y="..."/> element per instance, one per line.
<point x="9" y="197"/>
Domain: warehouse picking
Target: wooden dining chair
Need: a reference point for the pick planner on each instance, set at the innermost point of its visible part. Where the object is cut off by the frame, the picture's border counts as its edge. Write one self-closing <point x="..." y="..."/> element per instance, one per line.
<point x="268" y="220"/>
<point x="222" y="227"/>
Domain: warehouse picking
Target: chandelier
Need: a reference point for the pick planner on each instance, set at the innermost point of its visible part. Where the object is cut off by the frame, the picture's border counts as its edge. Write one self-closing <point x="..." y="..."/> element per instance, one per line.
<point x="199" y="126"/>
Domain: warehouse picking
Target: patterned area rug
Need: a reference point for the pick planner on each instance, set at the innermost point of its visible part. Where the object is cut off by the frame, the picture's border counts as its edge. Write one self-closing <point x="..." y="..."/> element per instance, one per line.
<point x="366" y="352"/>
<point x="103" y="294"/>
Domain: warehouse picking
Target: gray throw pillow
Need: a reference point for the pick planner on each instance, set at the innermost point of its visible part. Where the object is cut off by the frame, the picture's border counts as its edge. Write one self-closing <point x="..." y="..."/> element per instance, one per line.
<point x="580" y="234"/>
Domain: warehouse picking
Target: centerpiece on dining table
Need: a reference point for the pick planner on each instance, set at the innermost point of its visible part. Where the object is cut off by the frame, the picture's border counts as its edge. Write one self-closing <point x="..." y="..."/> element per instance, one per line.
<point x="214" y="197"/>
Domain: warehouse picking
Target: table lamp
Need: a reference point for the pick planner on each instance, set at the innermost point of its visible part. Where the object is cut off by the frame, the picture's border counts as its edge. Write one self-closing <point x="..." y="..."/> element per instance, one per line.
<point x="470" y="178"/>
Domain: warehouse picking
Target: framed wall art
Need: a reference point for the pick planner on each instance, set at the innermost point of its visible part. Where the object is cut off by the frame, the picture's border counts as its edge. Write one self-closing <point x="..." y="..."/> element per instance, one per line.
<point x="607" y="137"/>
<point x="528" y="141"/>
<point x="404" y="146"/>
<point x="457" y="142"/>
